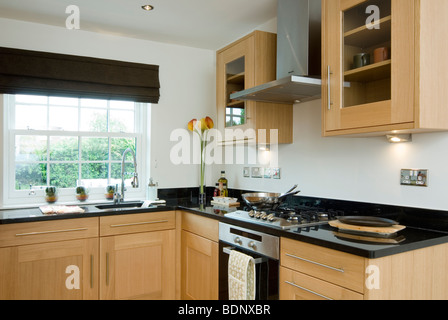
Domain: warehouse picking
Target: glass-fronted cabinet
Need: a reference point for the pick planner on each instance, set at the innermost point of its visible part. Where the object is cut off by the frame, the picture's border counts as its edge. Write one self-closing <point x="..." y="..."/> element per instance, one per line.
<point x="369" y="65"/>
<point x="243" y="64"/>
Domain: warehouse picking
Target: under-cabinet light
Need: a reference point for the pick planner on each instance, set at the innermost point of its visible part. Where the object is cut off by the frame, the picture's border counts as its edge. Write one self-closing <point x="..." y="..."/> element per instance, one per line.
<point x="397" y="138"/>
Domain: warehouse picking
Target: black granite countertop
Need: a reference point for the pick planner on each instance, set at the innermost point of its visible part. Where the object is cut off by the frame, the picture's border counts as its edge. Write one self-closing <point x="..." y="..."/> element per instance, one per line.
<point x="326" y="236"/>
<point x="412" y="237"/>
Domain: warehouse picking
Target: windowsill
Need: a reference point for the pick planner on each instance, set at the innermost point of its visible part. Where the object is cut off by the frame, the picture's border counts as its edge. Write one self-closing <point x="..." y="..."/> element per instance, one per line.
<point x="62" y="203"/>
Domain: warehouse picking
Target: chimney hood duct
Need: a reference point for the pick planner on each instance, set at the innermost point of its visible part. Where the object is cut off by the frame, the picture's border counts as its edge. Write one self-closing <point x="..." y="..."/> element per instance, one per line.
<point x="298" y="56"/>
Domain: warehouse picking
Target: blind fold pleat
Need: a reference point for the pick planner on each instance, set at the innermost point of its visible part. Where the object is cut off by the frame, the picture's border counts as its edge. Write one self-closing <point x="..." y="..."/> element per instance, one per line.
<point x="33" y="72"/>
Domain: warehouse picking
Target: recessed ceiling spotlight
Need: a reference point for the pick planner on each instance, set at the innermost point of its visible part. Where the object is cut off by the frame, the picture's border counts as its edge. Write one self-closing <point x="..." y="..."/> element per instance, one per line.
<point x="147" y="7"/>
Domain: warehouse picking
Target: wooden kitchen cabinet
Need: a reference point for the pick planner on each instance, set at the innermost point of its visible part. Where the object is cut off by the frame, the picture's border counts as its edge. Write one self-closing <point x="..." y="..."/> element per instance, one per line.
<point x="51" y="260"/>
<point x="244" y="64"/>
<point x="137" y="256"/>
<point x="313" y="272"/>
<point x="401" y="94"/>
<point x="199" y="258"/>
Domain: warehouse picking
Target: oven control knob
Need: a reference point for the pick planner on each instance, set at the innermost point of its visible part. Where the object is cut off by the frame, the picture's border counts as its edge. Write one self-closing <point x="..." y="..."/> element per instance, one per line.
<point x="252" y="245"/>
<point x="263" y="216"/>
<point x="270" y="217"/>
<point x="238" y="240"/>
<point x="251" y="213"/>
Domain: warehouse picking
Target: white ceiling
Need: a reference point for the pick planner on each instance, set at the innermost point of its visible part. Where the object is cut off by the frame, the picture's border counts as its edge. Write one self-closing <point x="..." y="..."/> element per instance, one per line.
<point x="209" y="24"/>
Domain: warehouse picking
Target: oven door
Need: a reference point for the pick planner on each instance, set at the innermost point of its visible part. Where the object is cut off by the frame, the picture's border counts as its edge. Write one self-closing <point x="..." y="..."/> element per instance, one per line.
<point x="266" y="273"/>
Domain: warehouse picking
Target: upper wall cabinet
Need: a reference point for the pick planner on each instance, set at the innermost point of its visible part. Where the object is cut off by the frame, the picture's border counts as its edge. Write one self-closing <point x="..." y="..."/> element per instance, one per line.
<point x="384" y="66"/>
<point x="246" y="63"/>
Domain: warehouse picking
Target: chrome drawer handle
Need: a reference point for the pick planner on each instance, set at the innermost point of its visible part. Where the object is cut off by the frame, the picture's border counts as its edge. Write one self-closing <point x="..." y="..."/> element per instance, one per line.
<point x="316" y="263"/>
<point x="307" y="290"/>
<point x="48" y="232"/>
<point x="329" y="73"/>
<point x="137" y="223"/>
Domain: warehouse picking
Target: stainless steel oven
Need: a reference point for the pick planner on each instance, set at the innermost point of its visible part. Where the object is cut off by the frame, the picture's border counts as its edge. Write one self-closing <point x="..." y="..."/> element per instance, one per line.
<point x="264" y="248"/>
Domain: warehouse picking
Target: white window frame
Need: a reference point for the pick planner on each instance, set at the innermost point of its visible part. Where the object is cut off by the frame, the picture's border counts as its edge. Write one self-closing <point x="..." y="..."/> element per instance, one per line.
<point x="14" y="198"/>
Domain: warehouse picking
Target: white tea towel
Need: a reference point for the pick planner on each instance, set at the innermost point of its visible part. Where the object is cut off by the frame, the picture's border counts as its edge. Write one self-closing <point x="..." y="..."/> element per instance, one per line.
<point x="241" y="276"/>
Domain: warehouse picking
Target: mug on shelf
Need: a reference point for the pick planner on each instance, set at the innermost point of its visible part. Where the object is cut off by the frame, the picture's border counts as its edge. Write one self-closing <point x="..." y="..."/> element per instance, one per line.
<point x="381" y="54"/>
<point x="361" y="60"/>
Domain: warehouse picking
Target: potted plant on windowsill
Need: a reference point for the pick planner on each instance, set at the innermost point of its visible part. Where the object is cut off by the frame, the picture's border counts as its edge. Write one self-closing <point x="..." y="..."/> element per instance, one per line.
<point x="50" y="194"/>
<point x="81" y="193"/>
<point x="110" y="190"/>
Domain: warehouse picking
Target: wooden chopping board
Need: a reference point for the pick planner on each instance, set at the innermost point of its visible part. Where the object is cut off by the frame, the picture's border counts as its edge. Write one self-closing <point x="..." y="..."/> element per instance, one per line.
<point x="223" y="204"/>
<point x="380" y="230"/>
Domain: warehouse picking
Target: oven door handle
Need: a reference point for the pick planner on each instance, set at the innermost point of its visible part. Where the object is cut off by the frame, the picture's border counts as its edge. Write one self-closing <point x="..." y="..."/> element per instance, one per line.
<point x="227" y="250"/>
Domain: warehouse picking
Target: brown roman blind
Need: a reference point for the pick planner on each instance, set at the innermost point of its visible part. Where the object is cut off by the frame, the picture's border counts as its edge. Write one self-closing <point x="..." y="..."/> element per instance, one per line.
<point x="42" y="73"/>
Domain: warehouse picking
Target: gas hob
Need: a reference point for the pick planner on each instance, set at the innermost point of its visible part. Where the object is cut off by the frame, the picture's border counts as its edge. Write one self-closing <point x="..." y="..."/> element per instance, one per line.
<point x="286" y="218"/>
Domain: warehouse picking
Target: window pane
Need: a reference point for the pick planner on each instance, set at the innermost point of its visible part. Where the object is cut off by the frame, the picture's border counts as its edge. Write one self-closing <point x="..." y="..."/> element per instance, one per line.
<point x="64" y="149"/>
<point x="95" y="103"/>
<point x="31" y="117"/>
<point x="127" y="105"/>
<point x="116" y="172"/>
<point x="119" y="145"/>
<point x="23" y="98"/>
<point x="30" y="175"/>
<point x="94" y="149"/>
<point x="63" y="175"/>
<point x="121" y="121"/>
<point x="94" y="174"/>
<point x="59" y="101"/>
<point x="31" y="148"/>
<point x="94" y="120"/>
<point x="63" y="118"/>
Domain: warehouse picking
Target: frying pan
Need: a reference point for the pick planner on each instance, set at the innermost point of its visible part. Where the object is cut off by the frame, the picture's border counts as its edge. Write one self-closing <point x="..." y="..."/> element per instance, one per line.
<point x="267" y="200"/>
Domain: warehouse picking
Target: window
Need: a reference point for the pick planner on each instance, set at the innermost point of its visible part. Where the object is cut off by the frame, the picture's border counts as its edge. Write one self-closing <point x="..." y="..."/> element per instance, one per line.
<point x="68" y="142"/>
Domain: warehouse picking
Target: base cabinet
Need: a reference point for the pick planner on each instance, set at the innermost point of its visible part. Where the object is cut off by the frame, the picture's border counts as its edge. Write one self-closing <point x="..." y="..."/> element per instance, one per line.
<point x="199" y="258"/>
<point x="64" y="270"/>
<point x="138" y="266"/>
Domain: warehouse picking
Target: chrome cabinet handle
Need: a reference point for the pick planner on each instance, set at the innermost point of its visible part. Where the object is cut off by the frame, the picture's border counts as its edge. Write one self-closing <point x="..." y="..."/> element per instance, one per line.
<point x="107" y="268"/>
<point x="308" y="290"/>
<point x="329" y="87"/>
<point x="136" y="223"/>
<point x="91" y="271"/>
<point x="48" y="232"/>
<point x="316" y="263"/>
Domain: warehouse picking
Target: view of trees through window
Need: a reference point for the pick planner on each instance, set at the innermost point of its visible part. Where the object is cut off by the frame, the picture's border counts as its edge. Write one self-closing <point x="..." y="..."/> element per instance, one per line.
<point x="83" y="150"/>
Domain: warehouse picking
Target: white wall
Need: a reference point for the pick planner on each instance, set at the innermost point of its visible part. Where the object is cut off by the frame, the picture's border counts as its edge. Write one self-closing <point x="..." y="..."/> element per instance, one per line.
<point x="358" y="169"/>
<point x="187" y="78"/>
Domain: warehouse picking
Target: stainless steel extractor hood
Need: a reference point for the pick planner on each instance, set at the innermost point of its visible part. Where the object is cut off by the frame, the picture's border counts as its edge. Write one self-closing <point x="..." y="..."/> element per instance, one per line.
<point x="298" y="56"/>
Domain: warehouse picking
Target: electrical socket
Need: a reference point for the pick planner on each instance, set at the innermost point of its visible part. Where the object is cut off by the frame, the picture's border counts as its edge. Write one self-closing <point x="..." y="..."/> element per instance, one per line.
<point x="414" y="177"/>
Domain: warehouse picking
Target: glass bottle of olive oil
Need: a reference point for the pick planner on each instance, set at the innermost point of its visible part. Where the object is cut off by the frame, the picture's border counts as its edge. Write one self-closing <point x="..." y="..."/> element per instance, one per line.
<point x="222" y="182"/>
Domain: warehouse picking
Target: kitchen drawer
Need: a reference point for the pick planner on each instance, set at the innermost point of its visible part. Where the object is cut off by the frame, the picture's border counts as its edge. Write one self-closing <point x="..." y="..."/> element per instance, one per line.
<point x="47" y="231"/>
<point x="337" y="267"/>
<point x="139" y="222"/>
<point x="202" y="226"/>
<point x="298" y="286"/>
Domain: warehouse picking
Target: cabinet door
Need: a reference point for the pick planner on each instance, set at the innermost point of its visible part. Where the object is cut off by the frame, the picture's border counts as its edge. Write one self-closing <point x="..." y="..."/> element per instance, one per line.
<point x="368" y="63"/>
<point x="199" y="268"/>
<point x="235" y="72"/>
<point x="65" y="270"/>
<point x="138" y="266"/>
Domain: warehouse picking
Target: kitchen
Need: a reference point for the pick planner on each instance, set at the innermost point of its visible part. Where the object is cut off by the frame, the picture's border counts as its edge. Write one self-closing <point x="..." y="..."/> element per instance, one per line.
<point x="362" y="169"/>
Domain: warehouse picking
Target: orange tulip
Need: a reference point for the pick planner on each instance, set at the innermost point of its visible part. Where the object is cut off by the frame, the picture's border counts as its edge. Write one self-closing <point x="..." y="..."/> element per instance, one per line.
<point x="209" y="122"/>
<point x="191" y="124"/>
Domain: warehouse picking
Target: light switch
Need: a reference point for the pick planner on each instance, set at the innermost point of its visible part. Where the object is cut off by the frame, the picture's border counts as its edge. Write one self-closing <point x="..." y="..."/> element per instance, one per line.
<point x="246" y="172"/>
<point x="414" y="177"/>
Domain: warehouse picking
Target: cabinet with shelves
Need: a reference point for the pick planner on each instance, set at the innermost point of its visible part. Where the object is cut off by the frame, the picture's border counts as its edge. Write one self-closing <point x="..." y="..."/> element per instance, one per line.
<point x="390" y="92"/>
<point x="244" y="64"/>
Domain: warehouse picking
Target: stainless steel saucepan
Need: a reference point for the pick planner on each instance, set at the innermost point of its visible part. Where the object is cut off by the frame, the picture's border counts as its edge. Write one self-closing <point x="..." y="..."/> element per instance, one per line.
<point x="267" y="201"/>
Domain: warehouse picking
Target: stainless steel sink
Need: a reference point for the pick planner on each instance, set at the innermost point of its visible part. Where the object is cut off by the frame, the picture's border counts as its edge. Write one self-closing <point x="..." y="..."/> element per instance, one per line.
<point x="123" y="205"/>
